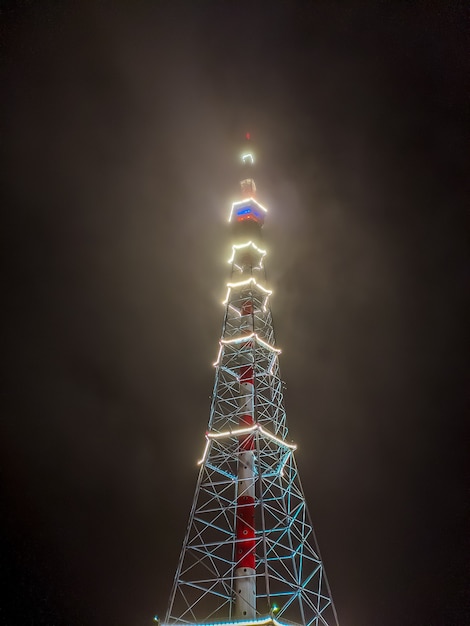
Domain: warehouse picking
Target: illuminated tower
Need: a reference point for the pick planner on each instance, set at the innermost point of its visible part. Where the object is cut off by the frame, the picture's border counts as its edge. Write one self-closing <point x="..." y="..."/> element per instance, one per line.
<point x="249" y="555"/>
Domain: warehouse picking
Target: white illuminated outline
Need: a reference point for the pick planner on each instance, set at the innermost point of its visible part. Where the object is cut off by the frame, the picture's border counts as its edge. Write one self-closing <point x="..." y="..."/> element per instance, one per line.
<point x="239" y="246"/>
<point x="227" y="434"/>
<point x="244" y="283"/>
<point x="248" y="156"/>
<point x="254" y="622"/>
<point x="250" y="336"/>
<point x="246" y="201"/>
<point x="230" y="433"/>
<point x="244" y="338"/>
<point x="241" y="283"/>
<point x="221" y="347"/>
<point x="204" y="454"/>
<point x="266" y="433"/>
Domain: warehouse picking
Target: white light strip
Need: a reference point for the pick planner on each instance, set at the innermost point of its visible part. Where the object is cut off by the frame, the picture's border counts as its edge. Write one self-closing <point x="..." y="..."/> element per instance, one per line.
<point x="227" y="296"/>
<point x="247" y="282"/>
<point x="248" y="156"/>
<point x="244" y="431"/>
<point x="204" y="454"/>
<point x="243" y="338"/>
<point x="291" y="446"/>
<point x="245" y="245"/>
<point x="219" y="355"/>
<point x="250" y="336"/>
<point x="243" y="283"/>
<point x="229" y="433"/>
<point x="267" y="345"/>
<point x="246" y="201"/>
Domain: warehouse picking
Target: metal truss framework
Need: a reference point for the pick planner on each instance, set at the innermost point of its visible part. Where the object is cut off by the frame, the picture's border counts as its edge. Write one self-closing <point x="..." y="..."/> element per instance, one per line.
<point x="290" y="578"/>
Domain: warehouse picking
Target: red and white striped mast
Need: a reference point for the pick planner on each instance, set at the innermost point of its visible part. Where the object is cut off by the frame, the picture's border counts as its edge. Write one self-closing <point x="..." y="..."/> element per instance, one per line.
<point x="244" y="581"/>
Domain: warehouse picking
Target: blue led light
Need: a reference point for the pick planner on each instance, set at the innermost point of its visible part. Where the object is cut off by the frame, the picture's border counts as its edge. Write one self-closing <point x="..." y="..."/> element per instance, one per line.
<point x="248" y="210"/>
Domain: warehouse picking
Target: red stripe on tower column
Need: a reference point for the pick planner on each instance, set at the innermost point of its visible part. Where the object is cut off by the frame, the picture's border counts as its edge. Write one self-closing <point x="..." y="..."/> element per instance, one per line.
<point x="246" y="419"/>
<point x="246" y="532"/>
<point x="245" y="537"/>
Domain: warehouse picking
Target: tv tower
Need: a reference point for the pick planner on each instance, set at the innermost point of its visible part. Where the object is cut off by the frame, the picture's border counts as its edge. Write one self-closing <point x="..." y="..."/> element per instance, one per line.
<point x="250" y="555"/>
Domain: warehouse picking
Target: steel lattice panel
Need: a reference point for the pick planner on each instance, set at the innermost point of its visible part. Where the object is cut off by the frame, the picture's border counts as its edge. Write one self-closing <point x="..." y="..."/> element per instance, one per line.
<point x="289" y="570"/>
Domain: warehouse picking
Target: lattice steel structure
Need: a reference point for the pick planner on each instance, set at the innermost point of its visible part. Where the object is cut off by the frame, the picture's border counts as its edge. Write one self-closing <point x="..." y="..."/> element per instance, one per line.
<point x="250" y="554"/>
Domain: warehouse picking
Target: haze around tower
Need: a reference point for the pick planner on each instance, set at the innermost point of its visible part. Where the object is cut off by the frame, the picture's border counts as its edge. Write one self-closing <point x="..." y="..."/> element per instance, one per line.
<point x="120" y="131"/>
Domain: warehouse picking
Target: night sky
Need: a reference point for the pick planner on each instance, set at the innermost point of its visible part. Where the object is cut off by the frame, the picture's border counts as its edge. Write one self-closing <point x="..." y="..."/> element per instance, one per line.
<point x="120" y="133"/>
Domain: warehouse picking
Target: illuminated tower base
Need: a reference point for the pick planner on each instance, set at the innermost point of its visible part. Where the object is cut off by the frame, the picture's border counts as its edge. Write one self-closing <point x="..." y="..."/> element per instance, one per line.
<point x="249" y="555"/>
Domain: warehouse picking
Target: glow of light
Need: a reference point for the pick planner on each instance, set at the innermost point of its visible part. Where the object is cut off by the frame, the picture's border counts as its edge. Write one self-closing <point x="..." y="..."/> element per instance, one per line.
<point x="244" y="431"/>
<point x="250" y="336"/>
<point x="240" y="246"/>
<point x="244" y="283"/>
<point x="246" y="201"/>
<point x="266" y="433"/>
<point x="221" y="347"/>
<point x="230" y="433"/>
<point x="248" y="156"/>
<point x="204" y="454"/>
<point x="250" y="200"/>
<point x="254" y="622"/>
<point x="244" y="338"/>
<point x="247" y="282"/>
